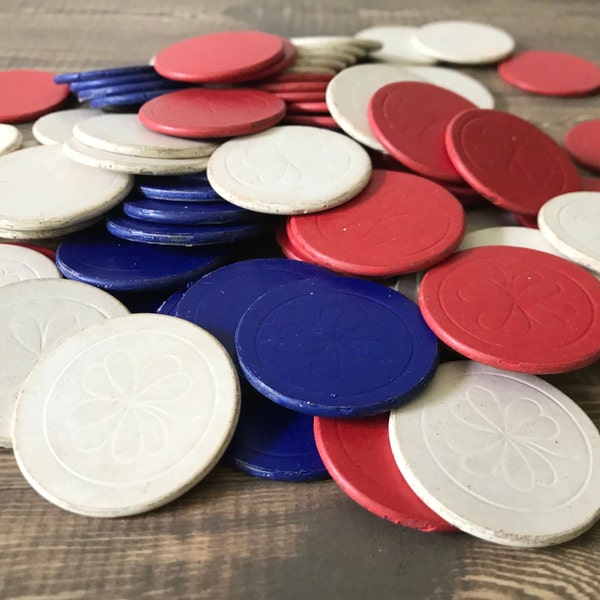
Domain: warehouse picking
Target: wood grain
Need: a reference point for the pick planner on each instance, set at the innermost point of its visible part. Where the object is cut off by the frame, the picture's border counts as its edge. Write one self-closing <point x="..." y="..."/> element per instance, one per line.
<point x="238" y="537"/>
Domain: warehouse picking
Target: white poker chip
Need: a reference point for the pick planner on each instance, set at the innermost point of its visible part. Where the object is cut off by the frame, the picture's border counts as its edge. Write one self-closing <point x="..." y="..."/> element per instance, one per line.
<point x="503" y="456"/>
<point x="47" y="234"/>
<point x="327" y="63"/>
<point x="57" y="127"/>
<point x="10" y="138"/>
<point x="306" y="52"/>
<point x="125" y="134"/>
<point x="36" y="315"/>
<point x="311" y="69"/>
<point x="42" y="189"/>
<point x="460" y="83"/>
<point x="338" y="40"/>
<point x="126" y="416"/>
<point x="571" y="223"/>
<point x="19" y="264"/>
<point x="349" y="92"/>
<point x="463" y="42"/>
<point x="289" y="170"/>
<point x="397" y="44"/>
<point x="133" y="165"/>
<point x="520" y="237"/>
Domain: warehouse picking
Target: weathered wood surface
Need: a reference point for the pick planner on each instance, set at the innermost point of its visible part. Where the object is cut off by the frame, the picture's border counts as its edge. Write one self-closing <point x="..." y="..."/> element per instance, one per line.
<point x="238" y="537"/>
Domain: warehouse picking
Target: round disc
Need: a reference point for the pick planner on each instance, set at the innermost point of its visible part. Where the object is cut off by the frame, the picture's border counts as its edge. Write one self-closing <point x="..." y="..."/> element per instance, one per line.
<point x="583" y="143"/>
<point x="289" y="170"/>
<point x="10" y="138"/>
<point x="399" y="223"/>
<point x="397" y="44"/>
<point x="520" y="237"/>
<point x="503" y="456"/>
<point x="210" y="113"/>
<point x="57" y="127"/>
<point x="18" y="264"/>
<point x="312" y="121"/>
<point x="509" y="161"/>
<point x="126" y="415"/>
<point x="299" y="108"/>
<point x="133" y="70"/>
<point x="514" y="308"/>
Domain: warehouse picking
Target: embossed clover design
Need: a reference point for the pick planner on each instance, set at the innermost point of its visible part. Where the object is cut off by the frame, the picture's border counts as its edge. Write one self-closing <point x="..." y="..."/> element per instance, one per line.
<point x="513" y="439"/>
<point x="36" y="333"/>
<point x="128" y="409"/>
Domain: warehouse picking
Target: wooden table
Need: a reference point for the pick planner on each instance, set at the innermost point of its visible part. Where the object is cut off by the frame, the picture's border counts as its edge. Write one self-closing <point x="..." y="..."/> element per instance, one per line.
<point x="238" y="537"/>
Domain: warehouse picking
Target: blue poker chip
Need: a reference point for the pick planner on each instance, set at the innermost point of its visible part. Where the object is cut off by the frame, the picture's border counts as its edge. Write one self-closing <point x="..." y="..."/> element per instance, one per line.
<point x="98" y="258"/>
<point x="93" y="84"/>
<point x="273" y="442"/>
<point x="217" y="301"/>
<point x="169" y="306"/>
<point x="127" y="88"/>
<point x="182" y="188"/>
<point x="182" y="213"/>
<point x="135" y="230"/>
<point x="336" y="348"/>
<point x="142" y="301"/>
<point x="103" y="73"/>
<point x="132" y="99"/>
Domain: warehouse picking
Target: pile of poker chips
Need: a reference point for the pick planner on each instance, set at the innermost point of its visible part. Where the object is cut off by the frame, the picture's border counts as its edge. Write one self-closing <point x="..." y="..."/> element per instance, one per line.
<point x="481" y="445"/>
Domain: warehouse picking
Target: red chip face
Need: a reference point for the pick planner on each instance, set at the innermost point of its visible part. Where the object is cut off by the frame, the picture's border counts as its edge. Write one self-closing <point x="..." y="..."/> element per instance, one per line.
<point x="299" y="108"/>
<point x="410" y="118"/>
<point x="358" y="456"/>
<point x="210" y="113"/>
<point x="551" y="73"/>
<point x="509" y="161"/>
<point x="526" y="220"/>
<point x="228" y="56"/>
<point x="312" y="121"/>
<point x="287" y="248"/>
<point x="27" y="95"/>
<point x="515" y="309"/>
<point x="398" y="224"/>
<point x="583" y="143"/>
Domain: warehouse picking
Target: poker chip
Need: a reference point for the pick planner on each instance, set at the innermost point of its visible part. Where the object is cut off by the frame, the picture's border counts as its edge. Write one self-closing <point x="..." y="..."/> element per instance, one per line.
<point x="519" y="237"/>
<point x="292" y="86"/>
<point x="10" y="138"/>
<point x="19" y="264"/>
<point x="505" y="457"/>
<point x="570" y="223"/>
<point x="336" y="347"/>
<point x="463" y="42"/>
<point x="397" y="44"/>
<point x="399" y="223"/>
<point x="312" y="121"/>
<point x="512" y="308"/>
<point x="298" y="77"/>
<point x="359" y="458"/>
<point x="46" y="235"/>
<point x="98" y="258"/>
<point x="212" y="113"/>
<point x="289" y="170"/>
<point x="509" y="161"/>
<point x="183" y="188"/>
<point x="130" y="100"/>
<point x="410" y="119"/>
<point x="161" y="84"/>
<point x="41" y="249"/>
<point x="300" y="108"/>
<point x="583" y="143"/>
<point x="124" y="134"/>
<point x="306" y="96"/>
<point x="42" y="190"/>
<point x="57" y="127"/>
<point x="127" y="164"/>
<point x="147" y="76"/>
<point x="551" y="73"/>
<point x="36" y="315"/>
<point x="169" y="306"/>
<point x="108" y="424"/>
<point x="96" y="74"/>
<point x="28" y="94"/>
<point x="287" y="247"/>
<point x="529" y="221"/>
<point x="273" y="442"/>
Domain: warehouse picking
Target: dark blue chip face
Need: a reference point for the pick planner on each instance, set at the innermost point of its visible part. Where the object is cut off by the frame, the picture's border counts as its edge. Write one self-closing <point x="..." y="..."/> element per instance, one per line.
<point x="103" y="73"/>
<point x="132" y="99"/>
<point x="169" y="306"/>
<point x="135" y="230"/>
<point x="96" y="257"/>
<point x="134" y="78"/>
<point x="273" y="442"/>
<point x="182" y="213"/>
<point x="336" y="348"/>
<point x="184" y="188"/>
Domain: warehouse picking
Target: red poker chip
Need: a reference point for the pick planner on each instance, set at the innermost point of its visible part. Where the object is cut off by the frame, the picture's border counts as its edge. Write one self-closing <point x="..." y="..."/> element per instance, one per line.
<point x="293" y="86"/>
<point x="509" y="161"/>
<point x="26" y="95"/>
<point x="286" y="247"/>
<point x="409" y="118"/>
<point x="551" y="73"/>
<point x="287" y="60"/>
<point x="228" y="56"/>
<point x="583" y="143"/>
<point x="296" y="77"/>
<point x="212" y="113"/>
<point x="590" y="184"/>
<point x="358" y="456"/>
<point x="314" y="96"/>
<point x="398" y="224"/>
<point x="526" y="220"/>
<point x="312" y="121"/>
<point x="515" y="309"/>
<point x="301" y="108"/>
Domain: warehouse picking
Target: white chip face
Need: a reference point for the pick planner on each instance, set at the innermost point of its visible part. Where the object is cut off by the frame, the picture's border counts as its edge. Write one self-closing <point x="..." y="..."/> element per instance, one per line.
<point x="57" y="127"/>
<point x="125" y="134"/>
<point x="289" y="170"/>
<point x="349" y="92"/>
<point x="463" y="42"/>
<point x="571" y="223"/>
<point x="25" y="235"/>
<point x="19" y="264"/>
<point x="397" y="44"/>
<point x="34" y="317"/>
<point x="10" y="138"/>
<point x="520" y="237"/>
<point x="41" y="188"/>
<point x="503" y="456"/>
<point x="126" y="415"/>
<point x="133" y="165"/>
<point x="464" y="85"/>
